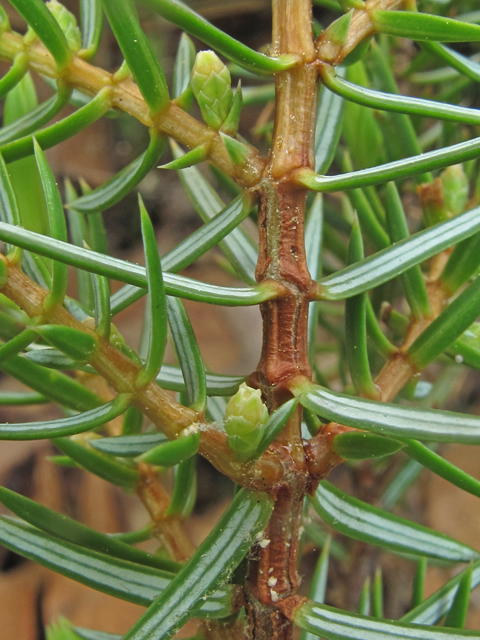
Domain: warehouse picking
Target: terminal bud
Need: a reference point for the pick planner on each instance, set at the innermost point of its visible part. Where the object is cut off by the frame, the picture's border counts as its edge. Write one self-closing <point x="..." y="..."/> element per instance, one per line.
<point x="212" y="87"/>
<point x="245" y="417"/>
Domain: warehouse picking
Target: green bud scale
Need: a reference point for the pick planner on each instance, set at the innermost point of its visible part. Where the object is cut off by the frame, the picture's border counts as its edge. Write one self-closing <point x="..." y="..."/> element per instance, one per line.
<point x="3" y="274"/>
<point x="351" y="4"/>
<point x="68" y="24"/>
<point x="245" y="417"/>
<point x="337" y="32"/>
<point x="455" y="189"/>
<point x="212" y="87"/>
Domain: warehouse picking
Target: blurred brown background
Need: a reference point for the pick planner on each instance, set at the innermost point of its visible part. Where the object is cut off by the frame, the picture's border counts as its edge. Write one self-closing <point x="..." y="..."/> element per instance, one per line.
<point x="230" y="342"/>
<point x="229" y="339"/>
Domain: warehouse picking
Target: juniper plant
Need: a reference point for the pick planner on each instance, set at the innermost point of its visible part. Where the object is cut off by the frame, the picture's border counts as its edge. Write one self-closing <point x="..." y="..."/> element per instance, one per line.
<point x="407" y="301"/>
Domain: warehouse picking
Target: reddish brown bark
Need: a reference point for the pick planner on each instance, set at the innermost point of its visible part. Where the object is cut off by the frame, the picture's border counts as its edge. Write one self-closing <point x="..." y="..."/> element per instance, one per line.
<point x="272" y="574"/>
<point x="282" y="258"/>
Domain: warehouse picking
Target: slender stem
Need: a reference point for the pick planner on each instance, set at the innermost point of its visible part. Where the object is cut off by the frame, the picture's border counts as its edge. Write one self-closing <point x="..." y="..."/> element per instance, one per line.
<point x="169" y="531"/>
<point x="221" y="630"/>
<point x="398" y="369"/>
<point x="121" y="373"/>
<point x="272" y="573"/>
<point x="126" y="96"/>
<point x="360" y="27"/>
<point x="291" y="466"/>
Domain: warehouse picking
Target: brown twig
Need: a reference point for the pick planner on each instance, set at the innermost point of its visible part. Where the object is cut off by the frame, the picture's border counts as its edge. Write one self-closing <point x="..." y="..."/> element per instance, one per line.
<point x="126" y="96"/>
<point x="121" y="373"/>
<point x="168" y="530"/>
<point x="361" y="27"/>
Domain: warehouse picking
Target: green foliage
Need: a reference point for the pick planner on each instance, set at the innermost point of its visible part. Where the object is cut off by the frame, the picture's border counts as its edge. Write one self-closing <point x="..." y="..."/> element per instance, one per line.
<point x="61" y="630"/>
<point x="46" y="27"/>
<point x="213" y="561"/>
<point x="387" y="296"/>
<point x="138" y="53"/>
<point x="369" y="524"/>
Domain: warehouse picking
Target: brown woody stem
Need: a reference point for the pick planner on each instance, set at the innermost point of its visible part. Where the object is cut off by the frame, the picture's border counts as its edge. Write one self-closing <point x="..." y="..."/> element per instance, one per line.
<point x="398" y="369"/>
<point x="289" y="467"/>
<point x="360" y="27"/>
<point x="169" y="531"/>
<point x="126" y="96"/>
<point x="121" y="373"/>
<point x="272" y="573"/>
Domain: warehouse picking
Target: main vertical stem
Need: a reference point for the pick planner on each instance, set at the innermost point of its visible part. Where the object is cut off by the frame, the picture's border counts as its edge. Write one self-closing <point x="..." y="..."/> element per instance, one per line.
<point x="272" y="573"/>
